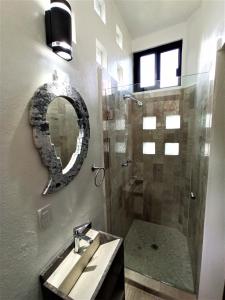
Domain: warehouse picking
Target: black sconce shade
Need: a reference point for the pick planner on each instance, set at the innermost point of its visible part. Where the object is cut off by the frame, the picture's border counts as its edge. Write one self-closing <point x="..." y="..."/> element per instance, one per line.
<point x="58" y="22"/>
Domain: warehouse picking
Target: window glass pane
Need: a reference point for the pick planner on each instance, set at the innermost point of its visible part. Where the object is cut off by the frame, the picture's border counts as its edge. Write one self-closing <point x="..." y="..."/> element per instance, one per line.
<point x="119" y="37"/>
<point x="101" y="54"/>
<point x="147" y="65"/>
<point x="173" y="122"/>
<point x="171" y="148"/>
<point x="148" y="148"/>
<point x="168" y="68"/>
<point x="99" y="6"/>
<point x="149" y="123"/>
<point x="120" y="147"/>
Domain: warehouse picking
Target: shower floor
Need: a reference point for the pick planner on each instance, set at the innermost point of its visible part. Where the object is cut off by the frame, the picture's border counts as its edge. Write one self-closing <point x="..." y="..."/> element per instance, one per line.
<point x="159" y="252"/>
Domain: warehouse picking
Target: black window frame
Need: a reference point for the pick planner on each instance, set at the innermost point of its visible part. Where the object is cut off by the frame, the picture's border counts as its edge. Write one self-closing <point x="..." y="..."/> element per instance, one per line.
<point x="157" y="51"/>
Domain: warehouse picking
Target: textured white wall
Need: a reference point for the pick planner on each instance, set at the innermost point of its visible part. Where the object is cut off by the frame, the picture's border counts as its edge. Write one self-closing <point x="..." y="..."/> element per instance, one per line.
<point x="167" y="35"/>
<point x="26" y="63"/>
<point x="204" y="28"/>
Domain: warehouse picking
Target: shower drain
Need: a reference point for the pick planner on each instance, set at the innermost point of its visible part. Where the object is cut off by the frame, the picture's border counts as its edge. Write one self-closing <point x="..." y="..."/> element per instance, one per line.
<point x="154" y="246"/>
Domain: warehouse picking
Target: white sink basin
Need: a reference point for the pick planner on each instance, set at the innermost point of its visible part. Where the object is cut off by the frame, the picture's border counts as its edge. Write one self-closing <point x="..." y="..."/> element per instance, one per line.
<point x="86" y="285"/>
<point x="67" y="273"/>
<point x="79" y="275"/>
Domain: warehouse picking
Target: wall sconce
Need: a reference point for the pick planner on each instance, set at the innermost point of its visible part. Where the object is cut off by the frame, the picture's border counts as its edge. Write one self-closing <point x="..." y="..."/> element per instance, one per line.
<point x="58" y="23"/>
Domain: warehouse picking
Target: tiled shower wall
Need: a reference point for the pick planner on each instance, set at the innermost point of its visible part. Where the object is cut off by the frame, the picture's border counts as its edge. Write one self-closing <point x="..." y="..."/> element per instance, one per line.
<point x="166" y="178"/>
<point x="153" y="187"/>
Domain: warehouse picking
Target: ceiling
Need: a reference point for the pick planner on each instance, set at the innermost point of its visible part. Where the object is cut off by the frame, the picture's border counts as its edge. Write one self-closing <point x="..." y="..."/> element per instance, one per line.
<point x="146" y="16"/>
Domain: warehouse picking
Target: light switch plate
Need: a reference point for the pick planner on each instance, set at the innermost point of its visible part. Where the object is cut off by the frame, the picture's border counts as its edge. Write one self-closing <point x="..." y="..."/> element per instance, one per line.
<point x="44" y="216"/>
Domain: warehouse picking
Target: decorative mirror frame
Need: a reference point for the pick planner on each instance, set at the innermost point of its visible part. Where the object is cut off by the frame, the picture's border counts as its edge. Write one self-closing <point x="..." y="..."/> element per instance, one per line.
<point x="58" y="177"/>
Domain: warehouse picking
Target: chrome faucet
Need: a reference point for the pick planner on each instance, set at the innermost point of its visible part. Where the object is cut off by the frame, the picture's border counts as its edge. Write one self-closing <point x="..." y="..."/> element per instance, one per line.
<point x="79" y="234"/>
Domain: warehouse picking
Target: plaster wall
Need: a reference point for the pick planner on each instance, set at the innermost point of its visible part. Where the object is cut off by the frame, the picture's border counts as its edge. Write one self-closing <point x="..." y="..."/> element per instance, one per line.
<point x="27" y="63"/>
<point x="164" y="36"/>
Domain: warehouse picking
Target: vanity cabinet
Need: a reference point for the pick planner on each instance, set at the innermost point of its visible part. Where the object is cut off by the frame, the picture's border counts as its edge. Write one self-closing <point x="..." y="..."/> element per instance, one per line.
<point x="102" y="277"/>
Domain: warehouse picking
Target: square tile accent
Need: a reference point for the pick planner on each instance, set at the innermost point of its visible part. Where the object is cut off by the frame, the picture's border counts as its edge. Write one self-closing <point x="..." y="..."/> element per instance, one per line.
<point x="120" y="124"/>
<point x="171" y="148"/>
<point x="120" y="148"/>
<point x="173" y="122"/>
<point x="158" y="172"/>
<point x="149" y="123"/>
<point x="208" y="120"/>
<point x="207" y="149"/>
<point x="149" y="148"/>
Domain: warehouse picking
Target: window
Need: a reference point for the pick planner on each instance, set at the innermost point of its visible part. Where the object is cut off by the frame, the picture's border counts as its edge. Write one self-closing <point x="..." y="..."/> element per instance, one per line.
<point x="119" y="37"/>
<point x="120" y="75"/>
<point x="208" y="120"/>
<point x="207" y="149"/>
<point x="158" y="67"/>
<point x="120" y="147"/>
<point x="101" y="55"/>
<point x="99" y="6"/>
<point x="147" y="66"/>
<point x="173" y="122"/>
<point x="171" y="148"/>
<point x="120" y="124"/>
<point x="149" y="123"/>
<point x="148" y="148"/>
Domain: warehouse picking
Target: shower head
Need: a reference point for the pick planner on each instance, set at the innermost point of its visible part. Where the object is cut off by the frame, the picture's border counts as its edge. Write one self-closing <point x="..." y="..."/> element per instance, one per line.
<point x="131" y="97"/>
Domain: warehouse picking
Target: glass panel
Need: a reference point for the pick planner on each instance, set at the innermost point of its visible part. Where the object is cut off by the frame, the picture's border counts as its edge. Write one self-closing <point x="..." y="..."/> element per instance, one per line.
<point x="147" y="65"/>
<point x="168" y="68"/>
<point x="147" y="192"/>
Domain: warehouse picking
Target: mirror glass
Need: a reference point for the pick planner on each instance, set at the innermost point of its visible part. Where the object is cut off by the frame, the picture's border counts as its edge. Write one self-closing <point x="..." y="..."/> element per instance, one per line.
<point x="63" y="128"/>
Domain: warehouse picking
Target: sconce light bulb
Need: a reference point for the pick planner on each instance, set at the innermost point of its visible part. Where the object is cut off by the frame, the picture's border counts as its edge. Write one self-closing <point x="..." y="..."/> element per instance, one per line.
<point x="64" y="55"/>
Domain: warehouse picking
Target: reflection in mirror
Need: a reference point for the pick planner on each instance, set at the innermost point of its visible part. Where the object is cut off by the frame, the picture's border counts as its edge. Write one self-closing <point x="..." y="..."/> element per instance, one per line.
<point x="63" y="128"/>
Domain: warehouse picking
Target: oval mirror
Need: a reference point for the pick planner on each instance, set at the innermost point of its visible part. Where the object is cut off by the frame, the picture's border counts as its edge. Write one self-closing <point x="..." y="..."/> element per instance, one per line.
<point x="63" y="129"/>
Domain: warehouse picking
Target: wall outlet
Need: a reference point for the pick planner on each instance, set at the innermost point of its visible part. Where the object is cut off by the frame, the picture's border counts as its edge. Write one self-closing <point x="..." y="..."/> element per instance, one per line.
<point x="44" y="216"/>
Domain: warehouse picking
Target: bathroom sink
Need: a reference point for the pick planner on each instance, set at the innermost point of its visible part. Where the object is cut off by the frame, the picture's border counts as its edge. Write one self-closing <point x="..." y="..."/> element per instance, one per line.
<point x="84" y="275"/>
<point x="70" y="269"/>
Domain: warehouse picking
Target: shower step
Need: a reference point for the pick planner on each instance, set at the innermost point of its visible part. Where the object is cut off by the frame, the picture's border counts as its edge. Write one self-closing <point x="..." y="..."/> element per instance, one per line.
<point x="155" y="287"/>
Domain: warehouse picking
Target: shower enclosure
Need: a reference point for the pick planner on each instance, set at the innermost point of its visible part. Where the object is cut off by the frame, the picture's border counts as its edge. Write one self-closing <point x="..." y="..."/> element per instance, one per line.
<point x="155" y="155"/>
